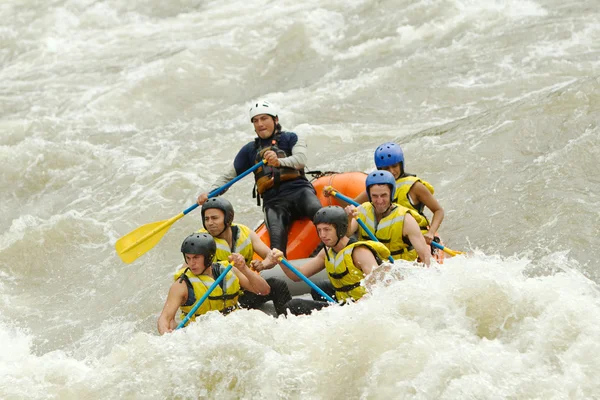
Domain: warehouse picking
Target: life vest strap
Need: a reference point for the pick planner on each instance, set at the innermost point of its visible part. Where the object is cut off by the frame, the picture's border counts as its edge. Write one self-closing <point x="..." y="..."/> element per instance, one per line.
<point x="405" y="250"/>
<point x="224" y="311"/>
<point x="340" y="275"/>
<point x="224" y="296"/>
<point x="347" y="288"/>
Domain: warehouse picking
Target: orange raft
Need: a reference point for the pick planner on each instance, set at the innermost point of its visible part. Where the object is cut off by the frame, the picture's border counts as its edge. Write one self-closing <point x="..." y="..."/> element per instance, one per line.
<point x="302" y="237"/>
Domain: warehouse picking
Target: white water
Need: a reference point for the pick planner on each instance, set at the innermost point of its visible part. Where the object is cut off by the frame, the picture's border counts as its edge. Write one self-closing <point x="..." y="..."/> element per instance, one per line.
<point x="115" y="114"/>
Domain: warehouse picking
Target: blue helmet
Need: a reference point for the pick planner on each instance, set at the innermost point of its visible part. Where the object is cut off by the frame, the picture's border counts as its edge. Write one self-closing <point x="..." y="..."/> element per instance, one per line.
<point x="381" y="178"/>
<point x="389" y="154"/>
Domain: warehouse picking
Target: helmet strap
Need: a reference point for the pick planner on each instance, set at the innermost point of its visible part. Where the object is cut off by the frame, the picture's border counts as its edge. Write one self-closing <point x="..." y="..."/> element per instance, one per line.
<point x="205" y="268"/>
<point x="336" y="243"/>
<point x="224" y="229"/>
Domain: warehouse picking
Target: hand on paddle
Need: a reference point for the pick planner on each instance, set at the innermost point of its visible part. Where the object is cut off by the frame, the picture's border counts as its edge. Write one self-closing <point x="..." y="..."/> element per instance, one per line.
<point x="327" y="191"/>
<point x="429" y="236"/>
<point x="238" y="261"/>
<point x="202" y="198"/>
<point x="269" y="262"/>
<point x="271" y="158"/>
<point x="351" y="211"/>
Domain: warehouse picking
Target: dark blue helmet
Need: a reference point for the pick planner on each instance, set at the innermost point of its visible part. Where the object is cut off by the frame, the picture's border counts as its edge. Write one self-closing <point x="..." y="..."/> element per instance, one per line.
<point x="381" y="178"/>
<point x="334" y="215"/>
<point x="389" y="154"/>
<point x="200" y="243"/>
<point x="220" y="203"/>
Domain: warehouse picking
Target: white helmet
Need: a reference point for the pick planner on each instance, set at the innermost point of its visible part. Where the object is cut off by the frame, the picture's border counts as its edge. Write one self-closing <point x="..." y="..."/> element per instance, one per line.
<point x="262" y="107"/>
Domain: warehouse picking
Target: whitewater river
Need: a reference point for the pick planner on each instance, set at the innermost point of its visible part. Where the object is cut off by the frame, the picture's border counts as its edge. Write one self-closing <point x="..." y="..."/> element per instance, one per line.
<point x="115" y="113"/>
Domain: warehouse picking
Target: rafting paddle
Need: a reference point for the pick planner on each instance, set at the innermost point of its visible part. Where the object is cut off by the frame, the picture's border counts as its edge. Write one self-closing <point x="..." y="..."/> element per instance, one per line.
<point x="306" y="280"/>
<point x="142" y="239"/>
<point x="204" y="297"/>
<point x="445" y="249"/>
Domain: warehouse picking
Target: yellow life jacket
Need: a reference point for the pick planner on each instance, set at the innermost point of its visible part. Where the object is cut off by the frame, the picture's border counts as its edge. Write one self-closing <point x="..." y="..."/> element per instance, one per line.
<point x="403" y="186"/>
<point x="388" y="230"/>
<point x="242" y="244"/>
<point x="344" y="275"/>
<point x="224" y="297"/>
<point x="267" y="176"/>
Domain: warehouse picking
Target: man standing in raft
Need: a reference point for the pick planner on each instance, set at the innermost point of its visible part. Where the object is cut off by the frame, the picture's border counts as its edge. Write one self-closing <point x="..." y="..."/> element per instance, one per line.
<point x="198" y="273"/>
<point x="346" y="260"/>
<point x="393" y="225"/>
<point x="287" y="195"/>
<point x="217" y="219"/>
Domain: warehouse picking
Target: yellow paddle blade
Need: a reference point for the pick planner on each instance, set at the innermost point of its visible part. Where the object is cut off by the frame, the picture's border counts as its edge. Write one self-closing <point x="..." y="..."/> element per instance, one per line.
<point x="453" y="252"/>
<point x="450" y="252"/>
<point x="142" y="239"/>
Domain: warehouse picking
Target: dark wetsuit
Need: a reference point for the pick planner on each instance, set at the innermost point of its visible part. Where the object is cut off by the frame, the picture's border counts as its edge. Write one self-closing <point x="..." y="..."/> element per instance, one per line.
<point x="280" y="295"/>
<point x="305" y="306"/>
<point x="286" y="202"/>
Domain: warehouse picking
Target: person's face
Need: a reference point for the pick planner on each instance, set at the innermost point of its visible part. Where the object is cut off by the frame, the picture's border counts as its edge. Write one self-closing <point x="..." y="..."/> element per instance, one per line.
<point x="380" y="197"/>
<point x="214" y="220"/>
<point x="195" y="262"/>
<point x="393" y="169"/>
<point x="327" y="234"/>
<point x="264" y="125"/>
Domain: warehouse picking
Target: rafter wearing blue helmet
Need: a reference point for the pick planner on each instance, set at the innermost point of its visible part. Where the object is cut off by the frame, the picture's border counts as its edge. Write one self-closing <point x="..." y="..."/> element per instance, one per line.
<point x="395" y="226"/>
<point x="411" y="191"/>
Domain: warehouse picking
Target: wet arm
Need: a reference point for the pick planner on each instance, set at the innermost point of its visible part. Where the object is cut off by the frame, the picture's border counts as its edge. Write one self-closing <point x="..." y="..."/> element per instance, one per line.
<point x="176" y="297"/>
<point x="225" y="178"/>
<point x="308" y="269"/>
<point x="259" y="247"/>
<point x="420" y="193"/>
<point x="412" y="231"/>
<point x="364" y="259"/>
<point x="250" y="280"/>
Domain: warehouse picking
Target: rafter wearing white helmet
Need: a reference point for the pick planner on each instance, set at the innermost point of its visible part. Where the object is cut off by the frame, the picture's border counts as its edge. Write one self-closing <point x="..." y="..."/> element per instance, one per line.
<point x="262" y="107"/>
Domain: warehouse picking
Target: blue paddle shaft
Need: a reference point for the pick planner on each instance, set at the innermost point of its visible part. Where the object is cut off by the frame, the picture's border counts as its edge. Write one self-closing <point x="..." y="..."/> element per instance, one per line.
<point x="346" y="199"/>
<point x="226" y="186"/>
<point x="436" y="244"/>
<point x="204" y="297"/>
<point x="307" y="281"/>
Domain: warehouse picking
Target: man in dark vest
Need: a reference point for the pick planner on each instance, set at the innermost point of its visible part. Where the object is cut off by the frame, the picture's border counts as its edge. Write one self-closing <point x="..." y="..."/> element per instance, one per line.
<point x="286" y="194"/>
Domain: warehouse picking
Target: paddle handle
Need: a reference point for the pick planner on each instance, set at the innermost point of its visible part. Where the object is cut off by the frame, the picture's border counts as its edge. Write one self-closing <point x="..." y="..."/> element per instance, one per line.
<point x="306" y="280"/>
<point x="204" y="297"/>
<point x="226" y="186"/>
<point x="345" y="198"/>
